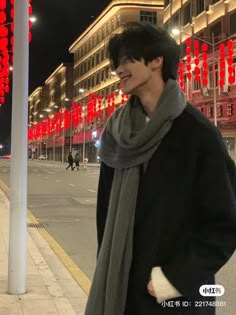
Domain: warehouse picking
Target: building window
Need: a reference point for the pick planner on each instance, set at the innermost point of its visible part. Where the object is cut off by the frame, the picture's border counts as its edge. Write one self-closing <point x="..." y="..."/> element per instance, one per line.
<point x="200" y="6"/>
<point x="216" y="29"/>
<point x="166" y="3"/>
<point x="92" y="61"/>
<point x="102" y="54"/>
<point x="187" y="14"/>
<point x="112" y="25"/>
<point x="102" y="75"/>
<point x="148" y="16"/>
<point x="167" y="26"/>
<point x="98" y="37"/>
<point x="118" y="20"/>
<point x="103" y="32"/>
<point x="232" y="23"/>
<point x="89" y="64"/>
<point x="176" y="22"/>
<point x="97" y="58"/>
<point x="92" y="81"/>
<point x="97" y="78"/>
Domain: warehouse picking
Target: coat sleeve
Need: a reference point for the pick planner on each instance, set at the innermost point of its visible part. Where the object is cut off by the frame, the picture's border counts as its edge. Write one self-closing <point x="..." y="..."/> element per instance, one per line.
<point x="104" y="189"/>
<point x="214" y="241"/>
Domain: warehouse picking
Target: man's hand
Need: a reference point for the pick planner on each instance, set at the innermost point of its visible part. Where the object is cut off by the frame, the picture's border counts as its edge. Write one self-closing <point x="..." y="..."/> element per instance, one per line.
<point x="151" y="289"/>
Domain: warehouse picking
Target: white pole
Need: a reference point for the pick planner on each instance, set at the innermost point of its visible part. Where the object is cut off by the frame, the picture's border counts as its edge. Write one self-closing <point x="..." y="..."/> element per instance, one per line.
<point x="71" y="127"/>
<point x="53" y="152"/>
<point x="18" y="177"/>
<point x="214" y="80"/>
<point x="63" y="143"/>
<point x="84" y="125"/>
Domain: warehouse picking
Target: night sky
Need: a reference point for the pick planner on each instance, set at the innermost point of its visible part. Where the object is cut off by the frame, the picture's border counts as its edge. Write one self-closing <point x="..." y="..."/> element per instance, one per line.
<point x="58" y="24"/>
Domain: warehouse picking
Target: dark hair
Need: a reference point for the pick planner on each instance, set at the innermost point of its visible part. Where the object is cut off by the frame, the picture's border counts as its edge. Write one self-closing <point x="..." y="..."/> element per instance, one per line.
<point x="142" y="40"/>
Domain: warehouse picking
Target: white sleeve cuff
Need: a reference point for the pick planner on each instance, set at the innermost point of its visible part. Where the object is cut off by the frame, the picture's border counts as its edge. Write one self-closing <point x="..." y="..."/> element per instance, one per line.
<point x="164" y="290"/>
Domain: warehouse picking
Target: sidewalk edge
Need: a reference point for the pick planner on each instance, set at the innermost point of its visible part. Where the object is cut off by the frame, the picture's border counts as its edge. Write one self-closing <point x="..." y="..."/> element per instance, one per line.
<point x="74" y="270"/>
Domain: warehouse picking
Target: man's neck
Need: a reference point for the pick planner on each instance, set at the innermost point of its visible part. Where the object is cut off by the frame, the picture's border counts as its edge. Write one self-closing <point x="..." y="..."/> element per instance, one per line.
<point x="150" y="98"/>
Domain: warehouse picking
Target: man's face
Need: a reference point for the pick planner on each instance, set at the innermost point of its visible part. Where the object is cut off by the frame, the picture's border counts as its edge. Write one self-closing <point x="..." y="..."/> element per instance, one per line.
<point x="134" y="75"/>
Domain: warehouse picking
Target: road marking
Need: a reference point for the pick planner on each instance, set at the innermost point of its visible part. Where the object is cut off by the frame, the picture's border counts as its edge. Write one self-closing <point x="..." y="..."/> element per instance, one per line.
<point x="72" y="185"/>
<point x="46" y="177"/>
<point x="57" y="180"/>
<point x="35" y="170"/>
<point x="92" y="190"/>
<point x="49" y="172"/>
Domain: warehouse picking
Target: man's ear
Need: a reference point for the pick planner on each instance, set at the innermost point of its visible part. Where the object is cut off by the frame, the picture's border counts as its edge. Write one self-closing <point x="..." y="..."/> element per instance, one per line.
<point x="156" y="63"/>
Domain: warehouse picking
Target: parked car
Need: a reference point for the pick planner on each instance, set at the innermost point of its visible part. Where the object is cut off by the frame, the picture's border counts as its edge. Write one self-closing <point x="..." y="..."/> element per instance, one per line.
<point x="42" y="157"/>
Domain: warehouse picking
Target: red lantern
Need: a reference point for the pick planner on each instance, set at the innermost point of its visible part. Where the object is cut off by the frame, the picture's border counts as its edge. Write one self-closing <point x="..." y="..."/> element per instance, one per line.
<point x="188" y="58"/>
<point x="231" y="76"/>
<point x="204" y="47"/>
<point x="181" y="75"/>
<point x="2" y="17"/>
<point x="3" y="31"/>
<point x="2" y="4"/>
<point x="222" y="65"/>
<point x="189" y="41"/>
<point x="196" y="44"/>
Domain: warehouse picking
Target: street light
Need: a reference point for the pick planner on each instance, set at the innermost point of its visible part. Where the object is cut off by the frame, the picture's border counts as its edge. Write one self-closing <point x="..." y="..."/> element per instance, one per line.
<point x="175" y="32"/>
<point x="81" y="90"/>
<point x="69" y="100"/>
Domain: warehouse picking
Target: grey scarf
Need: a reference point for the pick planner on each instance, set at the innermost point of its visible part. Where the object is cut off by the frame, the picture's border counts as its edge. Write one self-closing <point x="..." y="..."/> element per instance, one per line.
<point x="127" y="144"/>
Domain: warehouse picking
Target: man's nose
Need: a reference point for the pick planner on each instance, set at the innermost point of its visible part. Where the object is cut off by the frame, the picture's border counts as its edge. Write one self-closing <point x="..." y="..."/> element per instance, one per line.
<point x="119" y="70"/>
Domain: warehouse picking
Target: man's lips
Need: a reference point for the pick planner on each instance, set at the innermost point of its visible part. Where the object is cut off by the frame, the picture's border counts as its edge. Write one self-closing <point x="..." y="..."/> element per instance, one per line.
<point x="125" y="78"/>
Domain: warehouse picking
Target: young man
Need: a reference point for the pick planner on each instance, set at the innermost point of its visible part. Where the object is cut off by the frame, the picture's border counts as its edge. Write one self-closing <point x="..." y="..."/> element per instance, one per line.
<point x="166" y="209"/>
<point x="70" y="161"/>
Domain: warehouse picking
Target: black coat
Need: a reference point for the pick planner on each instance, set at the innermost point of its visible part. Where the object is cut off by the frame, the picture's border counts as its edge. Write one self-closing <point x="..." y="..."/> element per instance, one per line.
<point x="185" y="218"/>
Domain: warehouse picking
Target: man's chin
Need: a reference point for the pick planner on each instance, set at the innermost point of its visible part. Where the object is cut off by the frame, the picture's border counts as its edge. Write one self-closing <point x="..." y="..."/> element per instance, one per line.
<point x="127" y="91"/>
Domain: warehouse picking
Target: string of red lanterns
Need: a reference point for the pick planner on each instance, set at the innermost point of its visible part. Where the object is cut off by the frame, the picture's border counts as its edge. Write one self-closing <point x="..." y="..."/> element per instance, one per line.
<point x="181" y="75"/>
<point x="196" y="62"/>
<point x="64" y="118"/>
<point x="231" y="74"/>
<point x="7" y="45"/>
<point x="204" y="49"/>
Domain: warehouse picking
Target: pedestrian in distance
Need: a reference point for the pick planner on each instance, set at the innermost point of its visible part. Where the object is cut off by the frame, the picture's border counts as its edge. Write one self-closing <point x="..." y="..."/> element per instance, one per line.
<point x="70" y="162"/>
<point x="77" y="161"/>
<point x="166" y="207"/>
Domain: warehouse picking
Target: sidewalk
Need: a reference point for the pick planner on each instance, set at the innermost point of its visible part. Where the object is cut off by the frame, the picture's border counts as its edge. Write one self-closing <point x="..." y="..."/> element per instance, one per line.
<point x="50" y="287"/>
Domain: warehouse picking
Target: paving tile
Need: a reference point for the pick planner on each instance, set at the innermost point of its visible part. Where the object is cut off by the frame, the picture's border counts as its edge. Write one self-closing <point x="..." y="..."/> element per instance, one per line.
<point x="64" y="306"/>
<point x="10" y="304"/>
<point x="79" y="305"/>
<point x="36" y="293"/>
<point x="42" y="307"/>
<point x="71" y="289"/>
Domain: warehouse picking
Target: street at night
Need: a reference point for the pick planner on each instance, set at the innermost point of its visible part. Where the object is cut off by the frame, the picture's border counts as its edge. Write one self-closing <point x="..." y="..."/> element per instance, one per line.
<point x="65" y="202"/>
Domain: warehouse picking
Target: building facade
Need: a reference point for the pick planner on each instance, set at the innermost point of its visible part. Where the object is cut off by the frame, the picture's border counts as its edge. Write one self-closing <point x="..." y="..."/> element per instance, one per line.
<point x="212" y="22"/>
<point x="46" y="105"/>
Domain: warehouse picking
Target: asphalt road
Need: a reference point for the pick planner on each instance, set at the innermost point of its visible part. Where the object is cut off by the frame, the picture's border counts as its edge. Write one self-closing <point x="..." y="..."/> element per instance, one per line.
<point x="65" y="202"/>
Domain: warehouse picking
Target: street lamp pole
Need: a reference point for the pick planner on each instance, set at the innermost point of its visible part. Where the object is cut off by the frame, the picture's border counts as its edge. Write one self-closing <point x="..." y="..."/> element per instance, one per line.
<point x="71" y="127"/>
<point x="18" y="176"/>
<point x="84" y="138"/>
<point x="214" y="79"/>
<point x="69" y="100"/>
